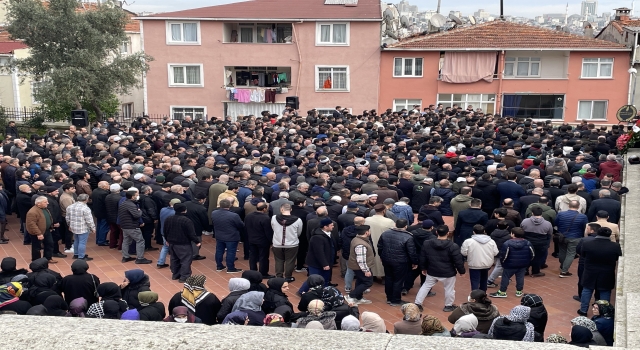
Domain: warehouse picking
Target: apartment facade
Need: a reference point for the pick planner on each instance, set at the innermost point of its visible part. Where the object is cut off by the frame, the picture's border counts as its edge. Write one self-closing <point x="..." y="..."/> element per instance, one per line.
<point x="509" y="69"/>
<point x="247" y="57"/>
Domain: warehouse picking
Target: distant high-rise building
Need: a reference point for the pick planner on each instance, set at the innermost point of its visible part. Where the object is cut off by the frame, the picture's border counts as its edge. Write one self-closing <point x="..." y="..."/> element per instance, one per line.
<point x="589" y="8"/>
<point x="455" y="13"/>
<point x="403" y="6"/>
<point x="481" y="13"/>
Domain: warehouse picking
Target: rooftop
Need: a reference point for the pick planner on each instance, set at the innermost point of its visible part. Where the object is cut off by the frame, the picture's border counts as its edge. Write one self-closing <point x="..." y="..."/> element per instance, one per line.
<point x="8" y="47"/>
<point x="504" y="35"/>
<point x="362" y="10"/>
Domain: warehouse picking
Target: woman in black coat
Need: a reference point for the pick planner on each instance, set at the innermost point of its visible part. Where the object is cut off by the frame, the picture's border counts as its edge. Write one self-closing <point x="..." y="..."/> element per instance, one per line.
<point x="150" y="308"/>
<point x="276" y="296"/>
<point x="316" y="284"/>
<point x="237" y="287"/>
<point x="538" y="316"/>
<point x="197" y="299"/>
<point x="81" y="284"/>
<point x="41" y="287"/>
<point x="136" y="281"/>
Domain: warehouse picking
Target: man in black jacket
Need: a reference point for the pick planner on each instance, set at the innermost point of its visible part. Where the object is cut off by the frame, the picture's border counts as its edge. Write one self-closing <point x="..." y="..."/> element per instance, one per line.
<point x="111" y="203"/>
<point x="99" y="209"/>
<point x="606" y="203"/>
<point x="197" y="213"/>
<point x="149" y="216"/>
<point x="440" y="259"/>
<point x="321" y="250"/>
<point x="398" y="255"/>
<point x="129" y="219"/>
<point x="423" y="232"/>
<point x="23" y="204"/>
<point x="180" y="235"/>
<point x="259" y="235"/>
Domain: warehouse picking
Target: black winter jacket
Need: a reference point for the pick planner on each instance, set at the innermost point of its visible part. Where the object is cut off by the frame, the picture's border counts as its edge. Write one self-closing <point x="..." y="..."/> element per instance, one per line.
<point x="111" y="206"/>
<point x="227" y="304"/>
<point x="321" y="250"/>
<point x="226" y="225"/>
<point x="197" y="213"/>
<point x="178" y="230"/>
<point x="421" y="235"/>
<point x="441" y="258"/>
<point x="516" y="253"/>
<point x="447" y="195"/>
<point x="129" y="215"/>
<point x="429" y="212"/>
<point x="148" y="209"/>
<point x="152" y="312"/>
<point x="346" y="236"/>
<point x="500" y="236"/>
<point x="98" y="204"/>
<point x="259" y="230"/>
<point x="130" y="292"/>
<point x="397" y="247"/>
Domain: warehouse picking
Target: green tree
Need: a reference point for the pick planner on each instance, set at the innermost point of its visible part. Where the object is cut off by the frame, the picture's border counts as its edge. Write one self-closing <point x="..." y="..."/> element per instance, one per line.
<point x="75" y="53"/>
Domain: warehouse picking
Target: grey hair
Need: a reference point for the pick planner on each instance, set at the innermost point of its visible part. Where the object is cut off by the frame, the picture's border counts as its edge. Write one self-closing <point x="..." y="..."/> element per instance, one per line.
<point x="41" y="199"/>
<point x="83" y="197"/>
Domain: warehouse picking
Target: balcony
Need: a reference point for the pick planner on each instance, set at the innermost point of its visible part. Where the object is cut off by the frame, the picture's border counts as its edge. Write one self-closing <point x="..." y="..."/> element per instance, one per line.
<point x="257" y="33"/>
<point x="257" y="77"/>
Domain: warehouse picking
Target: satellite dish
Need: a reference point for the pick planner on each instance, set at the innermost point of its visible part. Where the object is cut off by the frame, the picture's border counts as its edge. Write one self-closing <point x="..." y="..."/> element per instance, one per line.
<point x="404" y="22"/>
<point x="472" y="20"/>
<point x="390" y="33"/>
<point x="388" y="14"/>
<point x="455" y="19"/>
<point x="438" y="20"/>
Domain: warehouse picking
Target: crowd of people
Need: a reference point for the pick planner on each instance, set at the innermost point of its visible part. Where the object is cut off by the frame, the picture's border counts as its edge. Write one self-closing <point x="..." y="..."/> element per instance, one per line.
<point x="367" y="196"/>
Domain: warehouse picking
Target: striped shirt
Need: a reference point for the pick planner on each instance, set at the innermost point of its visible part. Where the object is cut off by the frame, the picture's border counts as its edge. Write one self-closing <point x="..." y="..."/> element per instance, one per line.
<point x="79" y="218"/>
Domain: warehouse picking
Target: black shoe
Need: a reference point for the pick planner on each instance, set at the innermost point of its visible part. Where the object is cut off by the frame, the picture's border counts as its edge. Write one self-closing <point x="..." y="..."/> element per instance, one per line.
<point x="544" y="266"/>
<point x="404" y="292"/>
<point x="526" y="273"/>
<point x="103" y="244"/>
<point x="143" y="261"/>
<point x="151" y="249"/>
<point x="449" y="308"/>
<point x="234" y="270"/>
<point x="290" y="279"/>
<point x="555" y="255"/>
<point x="420" y="307"/>
<point x="25" y="243"/>
<point x="402" y="302"/>
<point x="124" y="260"/>
<point x="75" y="257"/>
<point x="87" y="258"/>
<point x="332" y="284"/>
<point x="162" y="266"/>
<point x="199" y="257"/>
<point x="268" y="277"/>
<point x="576" y="298"/>
<point x="174" y="278"/>
<point x="221" y="268"/>
<point x="182" y="280"/>
<point x="59" y="255"/>
<point x="581" y="313"/>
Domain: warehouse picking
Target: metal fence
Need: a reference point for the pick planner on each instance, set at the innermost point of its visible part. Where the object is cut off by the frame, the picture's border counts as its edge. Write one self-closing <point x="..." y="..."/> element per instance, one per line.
<point x="19" y="115"/>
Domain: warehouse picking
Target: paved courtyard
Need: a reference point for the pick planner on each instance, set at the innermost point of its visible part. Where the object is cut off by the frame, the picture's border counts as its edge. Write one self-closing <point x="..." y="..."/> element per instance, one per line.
<point x="556" y="292"/>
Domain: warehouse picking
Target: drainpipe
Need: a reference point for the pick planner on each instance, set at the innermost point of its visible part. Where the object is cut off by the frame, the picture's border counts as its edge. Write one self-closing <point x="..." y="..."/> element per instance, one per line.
<point x="295" y="35"/>
<point x="500" y="77"/>
<point x="632" y="80"/>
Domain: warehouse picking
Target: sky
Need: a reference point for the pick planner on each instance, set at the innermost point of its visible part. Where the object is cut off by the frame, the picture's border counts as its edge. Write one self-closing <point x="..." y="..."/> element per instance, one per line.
<point x="467" y="7"/>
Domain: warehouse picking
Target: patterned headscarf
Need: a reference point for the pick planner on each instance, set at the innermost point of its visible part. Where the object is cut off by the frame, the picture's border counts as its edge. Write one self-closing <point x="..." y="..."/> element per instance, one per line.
<point x="531" y="300"/>
<point x="194" y="292"/>
<point x="411" y="312"/>
<point x="10" y="293"/>
<point x="518" y="314"/>
<point x="557" y="339"/>
<point x="431" y="325"/>
<point x="270" y="318"/>
<point x="605" y="309"/>
<point x="584" y="322"/>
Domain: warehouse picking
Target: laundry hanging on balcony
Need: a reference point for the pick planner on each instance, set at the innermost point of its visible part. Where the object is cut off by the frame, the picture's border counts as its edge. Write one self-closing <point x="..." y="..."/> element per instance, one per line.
<point x="468" y="67"/>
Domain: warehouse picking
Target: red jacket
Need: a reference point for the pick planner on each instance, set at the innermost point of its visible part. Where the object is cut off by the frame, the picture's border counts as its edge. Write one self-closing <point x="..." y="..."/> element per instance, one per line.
<point x="611" y="167"/>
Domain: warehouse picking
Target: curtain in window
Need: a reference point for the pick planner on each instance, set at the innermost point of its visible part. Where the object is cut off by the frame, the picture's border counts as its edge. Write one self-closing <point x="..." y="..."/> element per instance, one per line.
<point x="193" y="75"/>
<point x="599" y="110"/>
<point x="340" y="78"/>
<point x="511" y="104"/>
<point x="523" y="69"/>
<point x="235" y="109"/>
<point x="605" y="69"/>
<point x="176" y="32"/>
<point x="468" y="67"/>
<point x="397" y="67"/>
<point x="584" y="110"/>
<point x="590" y="70"/>
<point x="191" y="32"/>
<point x="324" y="74"/>
<point x="408" y="66"/>
<point x="246" y="35"/>
<point x="418" y="69"/>
<point x="339" y="33"/>
<point x="178" y="75"/>
<point x="325" y="33"/>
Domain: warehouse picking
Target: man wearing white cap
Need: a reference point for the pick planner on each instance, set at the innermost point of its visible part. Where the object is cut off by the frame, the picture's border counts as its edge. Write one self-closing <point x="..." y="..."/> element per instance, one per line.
<point x="190" y="177"/>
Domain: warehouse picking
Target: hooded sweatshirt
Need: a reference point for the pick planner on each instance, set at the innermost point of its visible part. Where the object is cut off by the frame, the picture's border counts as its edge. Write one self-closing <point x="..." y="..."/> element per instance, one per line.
<point x="286" y="230"/>
<point x="9" y="270"/>
<point x="562" y="203"/>
<point x="480" y="251"/>
<point x="536" y="225"/>
<point x="459" y="203"/>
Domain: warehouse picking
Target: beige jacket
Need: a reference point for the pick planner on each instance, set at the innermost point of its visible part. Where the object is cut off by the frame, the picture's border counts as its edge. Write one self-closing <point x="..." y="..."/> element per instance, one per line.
<point x="615" y="231"/>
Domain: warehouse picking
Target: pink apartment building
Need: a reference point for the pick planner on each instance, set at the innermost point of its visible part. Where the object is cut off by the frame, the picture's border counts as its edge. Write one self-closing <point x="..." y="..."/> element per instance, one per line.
<point x="508" y="68"/>
<point x="247" y="57"/>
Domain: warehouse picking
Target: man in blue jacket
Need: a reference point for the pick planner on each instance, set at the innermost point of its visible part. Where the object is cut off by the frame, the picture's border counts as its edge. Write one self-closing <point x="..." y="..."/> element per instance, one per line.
<point x="510" y="189"/>
<point x="515" y="255"/>
<point x="467" y="219"/>
<point x="571" y="224"/>
<point x="226" y="226"/>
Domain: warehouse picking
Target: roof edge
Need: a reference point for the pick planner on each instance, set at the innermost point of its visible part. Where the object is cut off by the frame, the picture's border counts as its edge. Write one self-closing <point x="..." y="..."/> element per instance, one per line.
<point x="622" y="49"/>
<point x="144" y="18"/>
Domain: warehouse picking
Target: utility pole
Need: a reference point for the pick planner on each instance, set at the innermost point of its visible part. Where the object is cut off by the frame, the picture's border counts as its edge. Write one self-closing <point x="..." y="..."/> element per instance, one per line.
<point x="502" y="10"/>
<point x="438" y="9"/>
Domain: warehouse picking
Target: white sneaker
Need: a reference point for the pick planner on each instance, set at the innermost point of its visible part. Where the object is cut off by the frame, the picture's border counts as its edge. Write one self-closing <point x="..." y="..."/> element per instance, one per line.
<point x="363" y="301"/>
<point x="70" y="250"/>
<point x="207" y="233"/>
<point x="367" y="291"/>
<point x="304" y="269"/>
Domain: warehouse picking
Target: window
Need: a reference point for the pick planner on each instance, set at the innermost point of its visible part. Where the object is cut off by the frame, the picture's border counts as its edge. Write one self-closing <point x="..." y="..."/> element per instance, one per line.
<point x="592" y="110"/>
<point x="325" y="111"/>
<point x="127" y="110"/>
<point x="400" y="104"/>
<point x="35" y="87"/>
<point x="125" y="47"/>
<point x="183" y="33"/>
<point x="332" y="78"/>
<point x="485" y="101"/>
<point x="185" y="75"/>
<point x="597" y="67"/>
<point x="179" y="113"/>
<point x="522" y="67"/>
<point x="533" y="106"/>
<point x="260" y="33"/>
<point x="407" y="67"/>
<point x="332" y="34"/>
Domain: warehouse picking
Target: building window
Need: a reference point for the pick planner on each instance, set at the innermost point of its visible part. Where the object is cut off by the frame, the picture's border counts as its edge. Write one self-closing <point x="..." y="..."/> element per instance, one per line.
<point x="35" y="86"/>
<point x="185" y="75"/>
<point x="533" y="106"/>
<point x="486" y="102"/>
<point x="592" y="110"/>
<point x="332" y="78"/>
<point x="125" y="47"/>
<point x="183" y="33"/>
<point x="597" y="67"/>
<point x="127" y="110"/>
<point x="400" y="104"/>
<point x="325" y="111"/>
<point x="332" y="34"/>
<point x="260" y="33"/>
<point x="522" y="67"/>
<point x="179" y="113"/>
<point x="407" y="67"/>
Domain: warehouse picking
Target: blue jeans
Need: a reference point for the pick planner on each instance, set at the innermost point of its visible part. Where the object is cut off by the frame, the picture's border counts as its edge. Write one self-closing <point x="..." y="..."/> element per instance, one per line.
<point x="231" y="248"/>
<point x="163" y="252"/>
<point x="102" y="230"/>
<point x="506" y="276"/>
<point x="80" y="244"/>
<point x="585" y="298"/>
<point x="479" y="278"/>
<point x="348" y="279"/>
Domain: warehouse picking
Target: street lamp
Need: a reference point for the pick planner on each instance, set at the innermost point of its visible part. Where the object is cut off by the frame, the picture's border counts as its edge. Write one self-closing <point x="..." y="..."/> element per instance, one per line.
<point x="633" y="72"/>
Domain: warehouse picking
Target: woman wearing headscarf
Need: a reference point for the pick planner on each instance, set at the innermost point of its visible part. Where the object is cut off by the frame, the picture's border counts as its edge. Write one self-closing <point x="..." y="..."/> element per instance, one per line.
<point x="316" y="284"/>
<point x="539" y="315"/>
<point x="110" y="309"/>
<point x="410" y="323"/>
<point x="585" y="322"/>
<point x="237" y="287"/>
<point x="255" y="279"/>
<point x="41" y="266"/>
<point x="150" y="308"/>
<point x="431" y="326"/>
<point x="237" y="318"/>
<point x="372" y="322"/>
<point x="581" y="336"/>
<point x="314" y="325"/>
<point x="41" y="287"/>
<point x="350" y="323"/>
<point x="131" y="315"/>
<point x="78" y="307"/>
<point x="251" y="304"/>
<point x="557" y="339"/>
<point x="515" y="326"/>
<point x="8" y="270"/>
<point x="37" y="310"/>
<point x="479" y="305"/>
<point x="276" y="295"/>
<point x="108" y="291"/>
<point x="180" y="314"/>
<point x="80" y="284"/>
<point x="603" y="313"/>
<point x="56" y="306"/>
<point x="465" y="327"/>
<point x="10" y="299"/>
<point x="315" y="312"/>
<point x="197" y="299"/>
<point x="272" y="318"/>
<point x="135" y="281"/>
